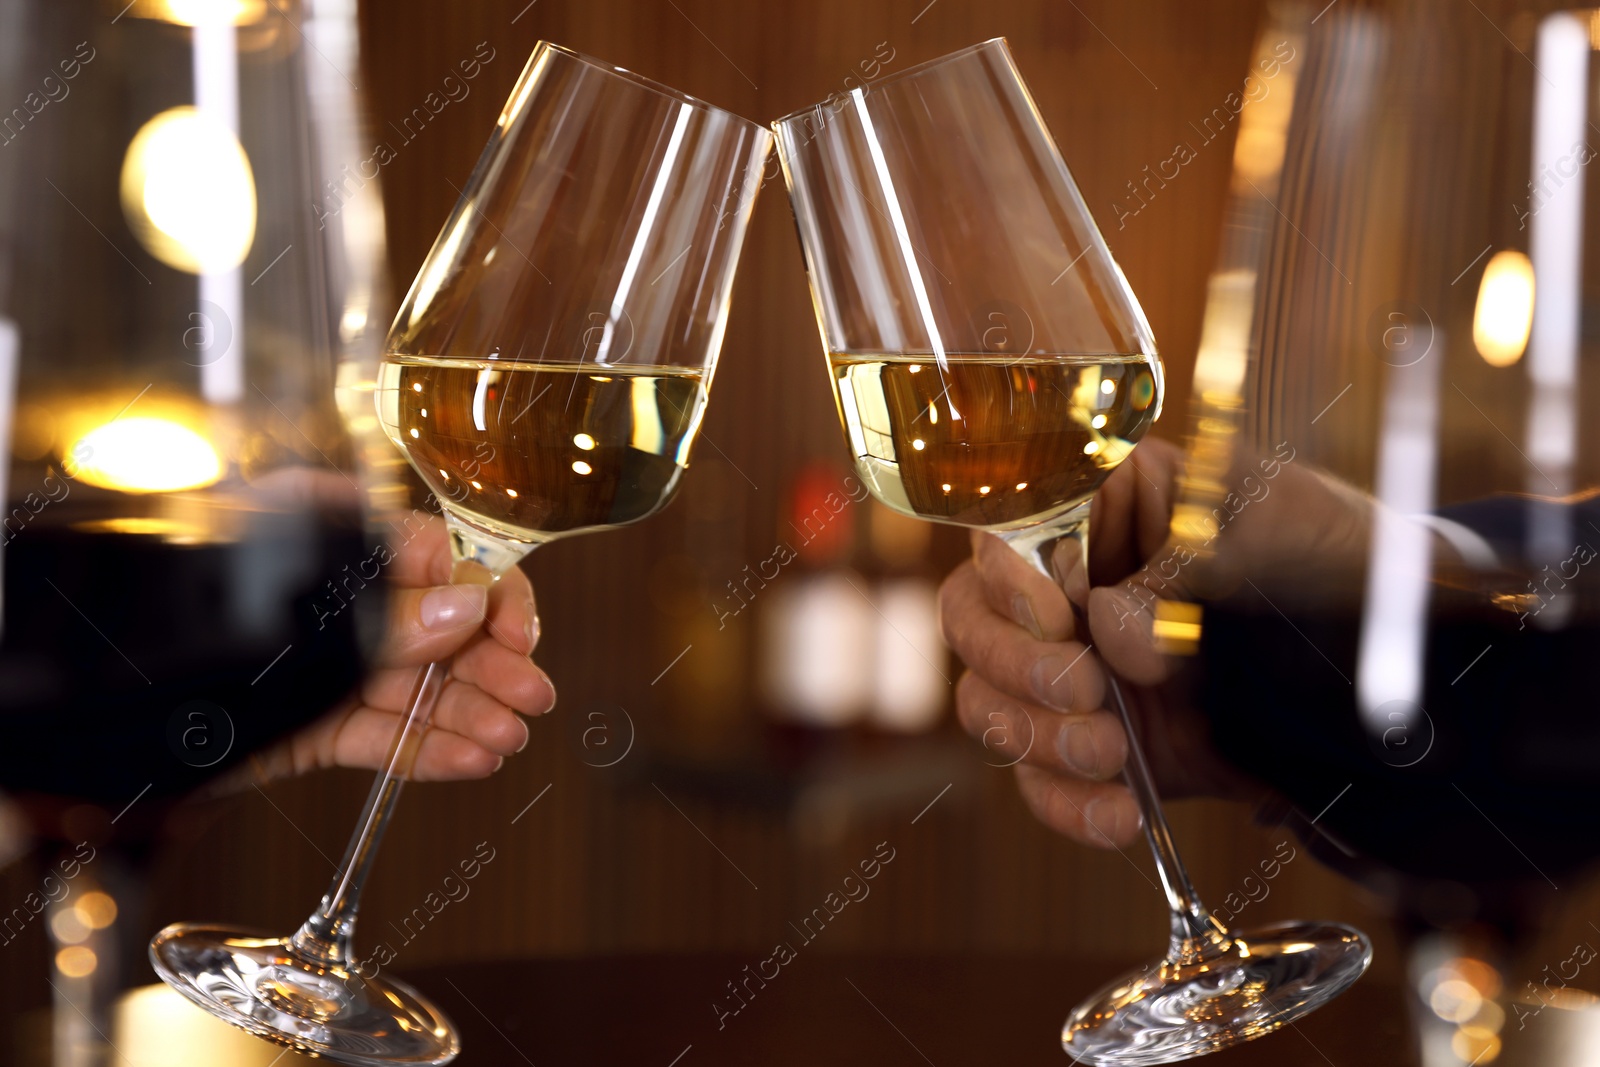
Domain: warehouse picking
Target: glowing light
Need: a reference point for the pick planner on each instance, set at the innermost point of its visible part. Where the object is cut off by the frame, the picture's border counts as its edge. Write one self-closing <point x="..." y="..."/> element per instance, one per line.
<point x="68" y="927"/>
<point x="1475" y="1045"/>
<point x="202" y="12"/>
<point x="581" y="467"/>
<point x="1454" y="1000"/>
<point x="76" y="961"/>
<point x="424" y="412"/>
<point x="583" y="441"/>
<point x="915" y="368"/>
<point x="442" y="472"/>
<point x="945" y="487"/>
<point x="415" y="433"/>
<point x="983" y="490"/>
<point x="96" y="909"/>
<point x="476" y="485"/>
<point x="512" y="493"/>
<point x="1107" y="386"/>
<point x="933" y="413"/>
<point x="188" y="192"/>
<point x="919" y="444"/>
<point x="1091" y="448"/>
<point x="1021" y="486"/>
<point x="145" y="455"/>
<point x="1504" y="315"/>
<point x="416" y="387"/>
<point x="1098" y="421"/>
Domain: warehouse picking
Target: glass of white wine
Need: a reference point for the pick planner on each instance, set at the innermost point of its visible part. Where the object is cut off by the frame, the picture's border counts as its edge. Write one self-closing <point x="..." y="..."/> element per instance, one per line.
<point x="546" y="376"/>
<point x="992" y="367"/>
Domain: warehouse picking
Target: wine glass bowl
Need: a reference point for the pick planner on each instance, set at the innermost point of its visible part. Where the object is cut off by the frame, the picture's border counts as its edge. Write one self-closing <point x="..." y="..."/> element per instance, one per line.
<point x="992" y="367"/>
<point x="545" y="376"/>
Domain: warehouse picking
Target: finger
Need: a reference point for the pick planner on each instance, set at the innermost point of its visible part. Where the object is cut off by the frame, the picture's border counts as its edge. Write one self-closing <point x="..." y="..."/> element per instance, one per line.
<point x="1122" y="622"/>
<point x="1100" y="814"/>
<point x="420" y="547"/>
<point x="1059" y="675"/>
<point x="467" y="710"/>
<point x="513" y="614"/>
<point x="508" y="676"/>
<point x="431" y="623"/>
<point x="1089" y="746"/>
<point x="359" y="736"/>
<point x="1015" y="590"/>
<point x="1132" y="511"/>
<point x="364" y="738"/>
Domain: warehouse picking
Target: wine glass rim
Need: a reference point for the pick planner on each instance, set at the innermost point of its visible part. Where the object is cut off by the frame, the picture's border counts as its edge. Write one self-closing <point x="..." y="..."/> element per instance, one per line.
<point x="635" y="78"/>
<point x="901" y="75"/>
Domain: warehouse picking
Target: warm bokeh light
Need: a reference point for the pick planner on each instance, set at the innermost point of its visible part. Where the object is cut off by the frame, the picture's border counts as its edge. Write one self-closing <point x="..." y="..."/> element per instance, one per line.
<point x="67" y="927"/>
<point x="1177" y="627"/>
<point x="143" y="454"/>
<point x="76" y="961"/>
<point x="200" y="12"/>
<point x="155" y="1027"/>
<point x="1504" y="315"/>
<point x="188" y="192"/>
<point x="1475" y="1045"/>
<point x="96" y="910"/>
<point x="1454" y="1000"/>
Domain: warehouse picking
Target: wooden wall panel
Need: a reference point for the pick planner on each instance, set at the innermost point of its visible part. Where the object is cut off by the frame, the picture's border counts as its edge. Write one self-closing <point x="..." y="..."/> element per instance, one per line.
<point x="604" y="862"/>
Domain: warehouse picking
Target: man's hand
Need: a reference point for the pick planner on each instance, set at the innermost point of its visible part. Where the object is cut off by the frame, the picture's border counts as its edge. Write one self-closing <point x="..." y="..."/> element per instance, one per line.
<point x="486" y="632"/>
<point x="1035" y="692"/>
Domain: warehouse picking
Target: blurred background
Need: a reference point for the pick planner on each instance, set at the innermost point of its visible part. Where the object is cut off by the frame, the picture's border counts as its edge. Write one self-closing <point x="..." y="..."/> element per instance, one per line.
<point x="673" y="802"/>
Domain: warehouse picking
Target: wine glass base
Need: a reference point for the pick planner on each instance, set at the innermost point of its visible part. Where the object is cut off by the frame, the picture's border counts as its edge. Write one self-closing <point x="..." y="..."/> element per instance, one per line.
<point x="1169" y="1012"/>
<point x="259" y="985"/>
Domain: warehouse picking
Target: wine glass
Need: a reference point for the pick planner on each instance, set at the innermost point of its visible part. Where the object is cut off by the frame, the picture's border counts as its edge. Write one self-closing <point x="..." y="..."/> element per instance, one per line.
<point x="992" y="367"/>
<point x="1408" y="284"/>
<point x="178" y="486"/>
<point x="546" y="376"/>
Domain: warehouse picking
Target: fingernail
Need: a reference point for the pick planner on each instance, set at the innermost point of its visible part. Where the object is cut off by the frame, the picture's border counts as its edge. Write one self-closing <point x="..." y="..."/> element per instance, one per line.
<point x="454" y="606"/>
<point x="530" y="633"/>
<point x="1077" y="748"/>
<point x="1051" y="682"/>
<point x="527" y="735"/>
<point x="1104" y="817"/>
<point x="1022" y="613"/>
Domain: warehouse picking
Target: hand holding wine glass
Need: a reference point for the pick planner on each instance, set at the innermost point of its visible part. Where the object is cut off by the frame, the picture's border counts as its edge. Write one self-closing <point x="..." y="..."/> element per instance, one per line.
<point x="545" y="376"/>
<point x="992" y="369"/>
<point x="488" y="633"/>
<point x="1034" y="695"/>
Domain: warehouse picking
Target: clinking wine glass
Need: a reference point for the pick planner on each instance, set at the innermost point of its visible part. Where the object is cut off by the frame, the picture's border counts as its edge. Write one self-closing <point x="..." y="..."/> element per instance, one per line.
<point x="546" y="376"/>
<point x="992" y="367"/>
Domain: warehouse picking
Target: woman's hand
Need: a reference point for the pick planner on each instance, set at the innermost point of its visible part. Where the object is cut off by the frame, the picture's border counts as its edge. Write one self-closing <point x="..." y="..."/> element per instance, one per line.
<point x="486" y="630"/>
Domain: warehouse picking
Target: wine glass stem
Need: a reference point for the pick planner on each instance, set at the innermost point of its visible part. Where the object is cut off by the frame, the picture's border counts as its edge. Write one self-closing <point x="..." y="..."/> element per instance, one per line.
<point x="327" y="937"/>
<point x="1196" y="934"/>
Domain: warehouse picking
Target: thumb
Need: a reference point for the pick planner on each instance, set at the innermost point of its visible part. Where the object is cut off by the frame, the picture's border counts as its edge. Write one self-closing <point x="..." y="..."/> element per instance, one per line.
<point x="1138" y="623"/>
<point x="431" y="623"/>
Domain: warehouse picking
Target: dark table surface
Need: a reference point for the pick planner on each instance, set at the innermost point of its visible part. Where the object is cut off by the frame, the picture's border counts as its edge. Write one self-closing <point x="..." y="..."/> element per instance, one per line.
<point x="929" y="1011"/>
<point x="912" y="1011"/>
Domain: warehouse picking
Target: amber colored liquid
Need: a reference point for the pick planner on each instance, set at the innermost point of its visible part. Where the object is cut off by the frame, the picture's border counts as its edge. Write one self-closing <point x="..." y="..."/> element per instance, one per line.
<point x="993" y="442"/>
<point x="529" y="451"/>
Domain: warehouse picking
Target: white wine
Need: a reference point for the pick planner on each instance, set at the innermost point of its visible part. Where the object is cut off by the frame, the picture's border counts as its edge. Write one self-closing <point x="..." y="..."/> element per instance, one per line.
<point x="997" y="442"/>
<point x="530" y="451"/>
